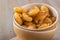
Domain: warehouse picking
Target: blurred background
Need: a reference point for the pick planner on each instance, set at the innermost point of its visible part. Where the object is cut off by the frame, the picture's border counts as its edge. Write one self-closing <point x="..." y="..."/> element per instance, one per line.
<point x="6" y="16"/>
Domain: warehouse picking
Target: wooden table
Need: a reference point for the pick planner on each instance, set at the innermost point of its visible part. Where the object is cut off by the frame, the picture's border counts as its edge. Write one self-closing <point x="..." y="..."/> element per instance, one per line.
<point x="6" y="16"/>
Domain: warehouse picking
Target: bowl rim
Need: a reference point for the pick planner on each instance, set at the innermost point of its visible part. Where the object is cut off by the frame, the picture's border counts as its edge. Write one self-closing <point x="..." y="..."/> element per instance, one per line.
<point x="54" y="29"/>
<point x="39" y="4"/>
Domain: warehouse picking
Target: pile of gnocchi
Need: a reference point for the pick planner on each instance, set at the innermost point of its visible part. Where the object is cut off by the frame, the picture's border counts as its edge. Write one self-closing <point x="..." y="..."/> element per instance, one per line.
<point x="34" y="18"/>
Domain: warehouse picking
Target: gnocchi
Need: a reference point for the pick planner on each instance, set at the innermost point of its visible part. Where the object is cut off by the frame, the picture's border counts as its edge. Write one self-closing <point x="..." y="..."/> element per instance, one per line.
<point x="31" y="27"/>
<point x="19" y="9"/>
<point x="18" y="18"/>
<point x="33" y="11"/>
<point x="26" y="17"/>
<point x="28" y="23"/>
<point x="45" y="9"/>
<point x="53" y="19"/>
<point x="40" y="16"/>
<point x="43" y="26"/>
<point x="34" y="18"/>
<point x="48" y="20"/>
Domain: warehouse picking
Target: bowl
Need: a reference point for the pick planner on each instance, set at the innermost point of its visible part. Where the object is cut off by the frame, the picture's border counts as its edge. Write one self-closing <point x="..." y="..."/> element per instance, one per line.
<point x="36" y="34"/>
<point x="52" y="9"/>
<point x="23" y="34"/>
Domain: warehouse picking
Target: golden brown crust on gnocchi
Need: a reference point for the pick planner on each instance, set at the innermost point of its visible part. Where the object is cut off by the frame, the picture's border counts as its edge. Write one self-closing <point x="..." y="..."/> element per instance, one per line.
<point x="53" y="19"/>
<point x="34" y="18"/>
<point x="19" y="9"/>
<point x="45" y="9"/>
<point x="48" y="20"/>
<point x="33" y="11"/>
<point x="18" y="18"/>
<point x="40" y="16"/>
<point x="31" y="26"/>
<point x="43" y="26"/>
<point x="26" y="17"/>
<point x="28" y="23"/>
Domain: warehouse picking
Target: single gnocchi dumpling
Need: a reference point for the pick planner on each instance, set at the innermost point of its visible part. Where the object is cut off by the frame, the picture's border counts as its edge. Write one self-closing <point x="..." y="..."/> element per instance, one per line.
<point x="31" y="26"/>
<point x="33" y="11"/>
<point x="28" y="23"/>
<point x="26" y="17"/>
<point x="19" y="10"/>
<point x="45" y="9"/>
<point x="40" y="16"/>
<point x="18" y="18"/>
<point x="43" y="26"/>
<point x="48" y="21"/>
<point x="53" y="19"/>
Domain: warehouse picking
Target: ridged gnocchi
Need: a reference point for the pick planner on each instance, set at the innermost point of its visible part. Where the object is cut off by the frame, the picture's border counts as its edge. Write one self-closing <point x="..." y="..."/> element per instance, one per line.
<point x="26" y="17"/>
<point x="28" y="23"/>
<point x="48" y="20"/>
<point x="18" y="18"/>
<point x="43" y="26"/>
<point x="45" y="9"/>
<point x="31" y="26"/>
<point x="33" y="11"/>
<point x="19" y="9"/>
<point x="40" y="17"/>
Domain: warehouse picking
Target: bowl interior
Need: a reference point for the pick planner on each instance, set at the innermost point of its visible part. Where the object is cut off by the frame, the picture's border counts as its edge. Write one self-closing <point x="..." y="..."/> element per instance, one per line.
<point x="53" y="10"/>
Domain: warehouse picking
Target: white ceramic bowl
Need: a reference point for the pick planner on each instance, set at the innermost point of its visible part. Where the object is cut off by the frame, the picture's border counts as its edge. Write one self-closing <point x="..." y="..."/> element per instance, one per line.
<point x="26" y="34"/>
<point x="23" y="34"/>
<point x="53" y="10"/>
